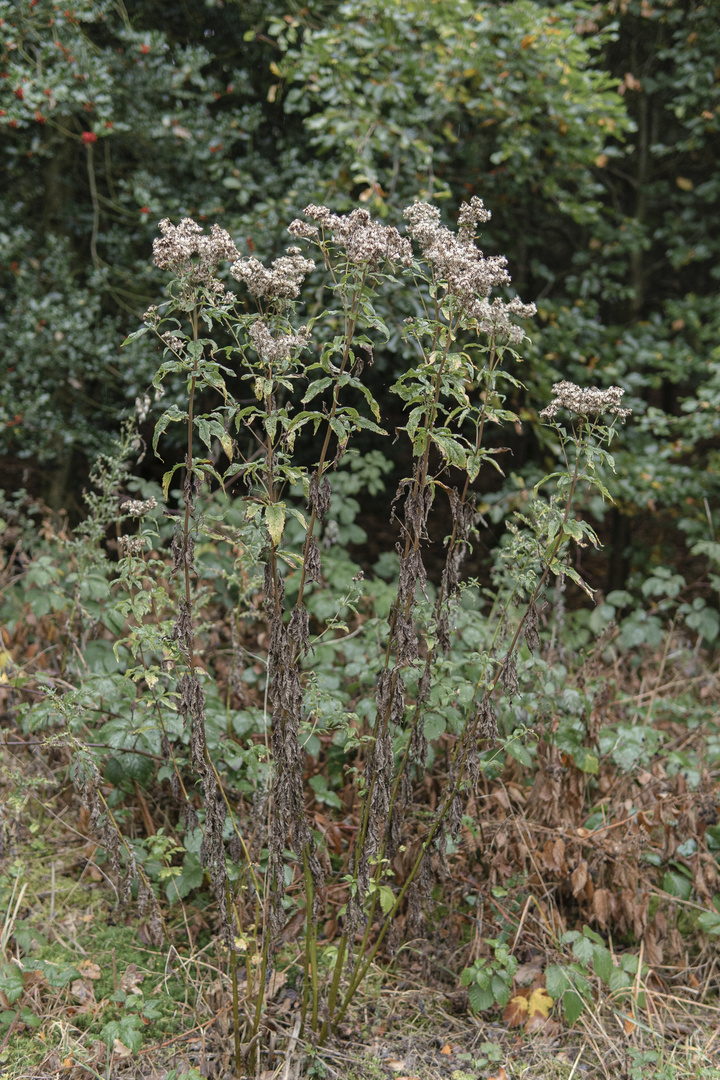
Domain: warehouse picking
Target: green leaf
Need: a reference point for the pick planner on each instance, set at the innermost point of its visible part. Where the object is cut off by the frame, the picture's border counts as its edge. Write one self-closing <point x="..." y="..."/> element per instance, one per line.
<point x="572" y="1006"/>
<point x="602" y="963"/>
<point x="556" y="981"/>
<point x="275" y="521"/>
<point x="480" y="999"/>
<point x="167" y="477"/>
<point x="677" y="884"/>
<point x="136" y="335"/>
<point x="170" y="416"/>
<point x="709" y="921"/>
<point x="583" y="950"/>
<point x="587" y="762"/>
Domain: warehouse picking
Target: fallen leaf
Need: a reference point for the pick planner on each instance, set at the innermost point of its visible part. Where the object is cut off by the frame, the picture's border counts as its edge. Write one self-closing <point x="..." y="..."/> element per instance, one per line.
<point x="579" y="877"/>
<point x="447" y="1049"/>
<point x="396" y="1064"/>
<point x="121" y="1050"/>
<point x="89" y="970"/>
<point x="501" y="1075"/>
<point x="277" y="981"/>
<point x="515" y="1012"/>
<point x="527" y="973"/>
<point x="83" y="992"/>
<point x="130" y="980"/>
<point x="293" y="926"/>
<point x="540" y="1002"/>
<point x="542" y="1025"/>
<point x="629" y="1025"/>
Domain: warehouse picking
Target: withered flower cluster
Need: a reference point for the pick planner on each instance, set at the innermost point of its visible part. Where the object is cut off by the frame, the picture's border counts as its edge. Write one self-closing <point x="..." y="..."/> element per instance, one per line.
<point x="278" y="348"/>
<point x="186" y="250"/>
<point x="137" y="508"/>
<point x="132" y="545"/>
<point x="468" y="275"/>
<point x="281" y="282"/>
<point x="365" y="242"/>
<point x="589" y="402"/>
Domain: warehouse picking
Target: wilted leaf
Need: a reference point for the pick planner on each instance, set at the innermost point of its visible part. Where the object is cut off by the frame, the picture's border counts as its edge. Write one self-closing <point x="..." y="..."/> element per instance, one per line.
<point x="121" y="1050"/>
<point x="89" y="970"/>
<point x="396" y="1064"/>
<point x="601" y="906"/>
<point x="553" y="854"/>
<point x="82" y="991"/>
<point x="527" y="973"/>
<point x="542" y="1025"/>
<point x="579" y="878"/>
<point x="275" y="521"/>
<point x="130" y="980"/>
<point x="515" y="1012"/>
<point x="540" y="1002"/>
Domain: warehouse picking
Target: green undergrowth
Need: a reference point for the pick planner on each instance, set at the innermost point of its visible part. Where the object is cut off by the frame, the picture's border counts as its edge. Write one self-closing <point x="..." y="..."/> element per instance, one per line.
<point x="77" y="973"/>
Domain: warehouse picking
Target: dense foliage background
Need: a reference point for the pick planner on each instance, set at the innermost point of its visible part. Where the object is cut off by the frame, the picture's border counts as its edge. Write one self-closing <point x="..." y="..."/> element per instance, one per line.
<point x="591" y="132"/>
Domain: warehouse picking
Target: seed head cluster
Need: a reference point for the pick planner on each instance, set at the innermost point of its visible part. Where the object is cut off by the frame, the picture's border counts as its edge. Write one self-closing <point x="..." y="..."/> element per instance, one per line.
<point x="136" y="508"/>
<point x="185" y="249"/>
<point x="469" y="276"/>
<point x="132" y="545"/>
<point x="281" y="282"/>
<point x="589" y="402"/>
<point x="278" y="348"/>
<point x="365" y="242"/>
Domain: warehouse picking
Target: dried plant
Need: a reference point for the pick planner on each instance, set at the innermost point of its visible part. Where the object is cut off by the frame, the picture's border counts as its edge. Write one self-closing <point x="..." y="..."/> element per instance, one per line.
<point x="463" y="342"/>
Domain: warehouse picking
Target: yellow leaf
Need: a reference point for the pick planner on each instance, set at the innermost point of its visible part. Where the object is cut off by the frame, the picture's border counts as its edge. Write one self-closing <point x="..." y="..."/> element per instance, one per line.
<point x="6" y="664"/>
<point x="601" y="161"/>
<point x="540" y="1002"/>
<point x="683" y="183"/>
<point x="516" y="1011"/>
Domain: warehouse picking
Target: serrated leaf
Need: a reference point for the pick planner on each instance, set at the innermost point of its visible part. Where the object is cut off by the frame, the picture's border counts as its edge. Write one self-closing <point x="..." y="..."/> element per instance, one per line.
<point x="602" y="963"/>
<point x="480" y="999"/>
<point x="572" y="1006"/>
<point x="583" y="950"/>
<point x="556" y="981"/>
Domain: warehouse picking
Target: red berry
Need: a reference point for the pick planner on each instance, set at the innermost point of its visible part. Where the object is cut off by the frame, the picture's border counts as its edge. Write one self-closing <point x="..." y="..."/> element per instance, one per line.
<point x="89" y="137"/>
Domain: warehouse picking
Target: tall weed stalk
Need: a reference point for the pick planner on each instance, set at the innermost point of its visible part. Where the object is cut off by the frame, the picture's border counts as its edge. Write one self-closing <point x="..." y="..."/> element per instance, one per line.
<point x="255" y="378"/>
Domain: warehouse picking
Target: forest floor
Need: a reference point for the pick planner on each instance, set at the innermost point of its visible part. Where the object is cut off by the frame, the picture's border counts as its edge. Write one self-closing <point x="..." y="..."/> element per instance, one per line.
<point x="84" y="993"/>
